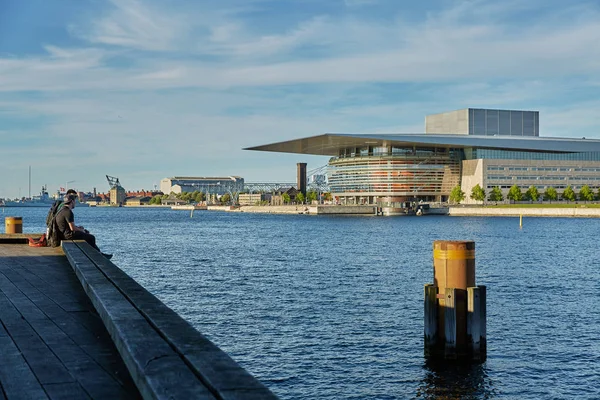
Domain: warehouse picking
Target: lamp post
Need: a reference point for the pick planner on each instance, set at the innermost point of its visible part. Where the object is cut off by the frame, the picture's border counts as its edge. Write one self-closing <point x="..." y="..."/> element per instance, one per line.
<point x="67" y="185"/>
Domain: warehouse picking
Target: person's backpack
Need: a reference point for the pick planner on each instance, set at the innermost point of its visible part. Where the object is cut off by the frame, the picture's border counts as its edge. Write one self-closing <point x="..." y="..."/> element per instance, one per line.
<point x="54" y="208"/>
<point x="53" y="237"/>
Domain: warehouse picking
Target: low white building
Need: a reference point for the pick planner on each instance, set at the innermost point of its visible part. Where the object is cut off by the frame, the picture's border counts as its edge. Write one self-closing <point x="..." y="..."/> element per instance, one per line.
<point x="206" y="185"/>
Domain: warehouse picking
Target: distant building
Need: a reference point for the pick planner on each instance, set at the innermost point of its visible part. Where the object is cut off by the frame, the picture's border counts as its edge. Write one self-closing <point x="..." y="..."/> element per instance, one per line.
<point x="469" y="147"/>
<point x="117" y="195"/>
<point x="250" y="199"/>
<point x="138" y="201"/>
<point x="317" y="179"/>
<point x="173" y="201"/>
<point x="478" y="121"/>
<point x="277" y="197"/>
<point x="206" y="185"/>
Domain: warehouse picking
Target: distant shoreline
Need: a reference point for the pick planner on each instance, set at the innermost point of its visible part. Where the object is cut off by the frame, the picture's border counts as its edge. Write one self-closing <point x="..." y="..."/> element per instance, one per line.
<point x="548" y="210"/>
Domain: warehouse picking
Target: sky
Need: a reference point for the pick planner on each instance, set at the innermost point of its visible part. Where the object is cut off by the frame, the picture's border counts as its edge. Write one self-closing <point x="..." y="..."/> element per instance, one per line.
<point x="148" y="89"/>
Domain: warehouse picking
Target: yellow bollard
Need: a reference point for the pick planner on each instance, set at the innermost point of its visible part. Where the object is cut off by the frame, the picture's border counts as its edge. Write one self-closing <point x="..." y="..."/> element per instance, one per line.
<point x="13" y="224"/>
<point x="520" y="220"/>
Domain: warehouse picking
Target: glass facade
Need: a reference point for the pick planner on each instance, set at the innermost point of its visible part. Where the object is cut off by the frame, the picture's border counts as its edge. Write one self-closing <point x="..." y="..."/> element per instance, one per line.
<point x="473" y="154"/>
<point x="542" y="177"/>
<point x="387" y="175"/>
<point x="503" y="122"/>
<point x="394" y="173"/>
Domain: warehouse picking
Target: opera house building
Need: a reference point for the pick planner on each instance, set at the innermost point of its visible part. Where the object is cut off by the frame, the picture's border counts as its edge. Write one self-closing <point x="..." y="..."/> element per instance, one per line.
<point x="492" y="148"/>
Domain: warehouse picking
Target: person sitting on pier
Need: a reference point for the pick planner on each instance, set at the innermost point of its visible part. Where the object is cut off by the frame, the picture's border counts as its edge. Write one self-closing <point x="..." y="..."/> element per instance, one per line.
<point x="65" y="221"/>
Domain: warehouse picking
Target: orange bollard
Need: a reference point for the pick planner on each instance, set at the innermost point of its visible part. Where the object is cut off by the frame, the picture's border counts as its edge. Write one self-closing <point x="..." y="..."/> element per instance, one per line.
<point x="13" y="224"/>
<point x="454" y="306"/>
<point x="453" y="264"/>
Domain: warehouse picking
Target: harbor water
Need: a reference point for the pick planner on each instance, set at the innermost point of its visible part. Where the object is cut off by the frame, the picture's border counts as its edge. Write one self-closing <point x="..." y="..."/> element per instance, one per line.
<point x="326" y="307"/>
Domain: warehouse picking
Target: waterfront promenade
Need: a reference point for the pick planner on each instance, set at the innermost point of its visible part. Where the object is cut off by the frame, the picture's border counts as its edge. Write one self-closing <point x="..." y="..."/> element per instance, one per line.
<point x="73" y="325"/>
<point x="53" y="343"/>
<point x="581" y="212"/>
<point x="455" y="211"/>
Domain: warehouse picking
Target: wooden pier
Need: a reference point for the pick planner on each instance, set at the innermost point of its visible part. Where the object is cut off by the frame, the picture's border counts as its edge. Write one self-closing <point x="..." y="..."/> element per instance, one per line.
<point x="74" y="326"/>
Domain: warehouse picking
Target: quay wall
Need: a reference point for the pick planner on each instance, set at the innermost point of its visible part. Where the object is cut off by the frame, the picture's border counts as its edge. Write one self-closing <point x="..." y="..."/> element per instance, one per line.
<point x="305" y="209"/>
<point x="580" y="212"/>
<point x="165" y="355"/>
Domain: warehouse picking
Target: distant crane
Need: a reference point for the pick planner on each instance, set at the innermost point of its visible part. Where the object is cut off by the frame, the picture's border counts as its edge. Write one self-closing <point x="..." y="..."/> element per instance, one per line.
<point x="113" y="181"/>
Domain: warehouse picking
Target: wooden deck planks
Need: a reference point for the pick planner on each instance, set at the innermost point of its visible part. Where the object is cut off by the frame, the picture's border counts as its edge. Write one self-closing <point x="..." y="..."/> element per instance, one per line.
<point x="57" y="345"/>
<point x="17" y="379"/>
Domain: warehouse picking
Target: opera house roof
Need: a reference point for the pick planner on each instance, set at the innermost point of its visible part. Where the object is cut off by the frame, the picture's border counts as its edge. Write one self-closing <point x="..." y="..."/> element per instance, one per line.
<point x="329" y="144"/>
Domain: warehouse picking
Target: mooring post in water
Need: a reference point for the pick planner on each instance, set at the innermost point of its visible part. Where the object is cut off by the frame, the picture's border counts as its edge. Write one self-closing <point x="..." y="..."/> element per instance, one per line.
<point x="454" y="307"/>
<point x="13" y="224"/>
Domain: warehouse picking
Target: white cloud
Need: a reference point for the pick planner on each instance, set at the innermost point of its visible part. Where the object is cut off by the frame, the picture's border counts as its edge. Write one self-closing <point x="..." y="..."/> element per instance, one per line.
<point x="160" y="92"/>
<point x="439" y="49"/>
<point x="134" y="24"/>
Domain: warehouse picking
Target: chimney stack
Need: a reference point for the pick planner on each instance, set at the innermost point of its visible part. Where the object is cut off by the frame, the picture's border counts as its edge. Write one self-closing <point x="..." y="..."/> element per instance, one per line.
<point x="301" y="178"/>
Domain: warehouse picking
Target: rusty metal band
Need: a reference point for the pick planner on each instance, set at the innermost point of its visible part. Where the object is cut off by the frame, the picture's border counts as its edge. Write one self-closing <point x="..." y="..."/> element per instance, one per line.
<point x="453" y="254"/>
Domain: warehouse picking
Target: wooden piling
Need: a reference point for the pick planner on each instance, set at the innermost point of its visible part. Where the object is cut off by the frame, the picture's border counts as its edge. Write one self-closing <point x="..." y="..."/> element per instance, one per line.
<point x="455" y="311"/>
<point x="476" y="322"/>
<point x="455" y="324"/>
<point x="431" y="308"/>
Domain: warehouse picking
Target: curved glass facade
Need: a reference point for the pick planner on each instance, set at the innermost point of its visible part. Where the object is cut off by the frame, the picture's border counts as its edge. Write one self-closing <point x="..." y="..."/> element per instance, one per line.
<point x="385" y="175"/>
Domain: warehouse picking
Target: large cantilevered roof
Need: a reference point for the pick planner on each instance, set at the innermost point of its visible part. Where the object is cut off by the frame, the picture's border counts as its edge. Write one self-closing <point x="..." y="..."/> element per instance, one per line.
<point x="329" y="144"/>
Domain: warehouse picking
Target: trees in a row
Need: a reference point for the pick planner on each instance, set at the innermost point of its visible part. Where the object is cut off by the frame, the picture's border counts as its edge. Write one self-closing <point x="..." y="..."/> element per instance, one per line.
<point x="515" y="194"/>
<point x="301" y="198"/>
<point x="195" y="196"/>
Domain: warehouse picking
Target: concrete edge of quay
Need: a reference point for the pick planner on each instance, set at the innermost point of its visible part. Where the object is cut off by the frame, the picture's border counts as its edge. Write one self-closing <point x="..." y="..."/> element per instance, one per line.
<point x="575" y="212"/>
<point x="165" y="355"/>
<point x="455" y="211"/>
<point x="302" y="209"/>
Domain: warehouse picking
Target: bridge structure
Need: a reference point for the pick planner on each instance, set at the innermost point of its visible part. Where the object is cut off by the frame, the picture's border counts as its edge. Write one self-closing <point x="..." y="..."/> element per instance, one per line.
<point x="317" y="182"/>
<point x="266" y="187"/>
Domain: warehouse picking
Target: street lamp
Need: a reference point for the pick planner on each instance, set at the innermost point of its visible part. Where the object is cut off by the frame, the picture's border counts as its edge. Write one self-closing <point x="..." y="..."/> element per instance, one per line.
<point x="67" y="185"/>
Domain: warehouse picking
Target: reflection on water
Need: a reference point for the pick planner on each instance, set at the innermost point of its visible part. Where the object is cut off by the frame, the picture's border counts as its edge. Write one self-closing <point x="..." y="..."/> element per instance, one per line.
<point x="452" y="380"/>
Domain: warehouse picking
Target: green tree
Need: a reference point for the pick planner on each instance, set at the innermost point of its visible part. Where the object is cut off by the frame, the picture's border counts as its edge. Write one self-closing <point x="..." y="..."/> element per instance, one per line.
<point x="568" y="194"/>
<point x="311" y="196"/>
<point x="532" y="193"/>
<point x="286" y="198"/>
<point x="514" y="193"/>
<point x="226" y="198"/>
<point x="496" y="194"/>
<point x="328" y="197"/>
<point x="300" y="198"/>
<point x="598" y="196"/>
<point x="477" y="193"/>
<point x="586" y="193"/>
<point x="185" y="196"/>
<point x="550" y="194"/>
<point x="156" y="200"/>
<point x="457" y="195"/>
<point x="199" y="197"/>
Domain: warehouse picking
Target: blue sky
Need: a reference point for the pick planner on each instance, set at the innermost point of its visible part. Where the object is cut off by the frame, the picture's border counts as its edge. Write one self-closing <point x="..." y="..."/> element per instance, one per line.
<point x="148" y="89"/>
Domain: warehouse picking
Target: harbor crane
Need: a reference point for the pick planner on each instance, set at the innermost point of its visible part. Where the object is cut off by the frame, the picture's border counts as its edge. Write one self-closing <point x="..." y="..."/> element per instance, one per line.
<point x="113" y="181"/>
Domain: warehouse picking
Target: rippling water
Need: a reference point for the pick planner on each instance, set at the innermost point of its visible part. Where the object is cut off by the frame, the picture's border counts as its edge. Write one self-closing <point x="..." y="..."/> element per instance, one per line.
<point x="322" y="307"/>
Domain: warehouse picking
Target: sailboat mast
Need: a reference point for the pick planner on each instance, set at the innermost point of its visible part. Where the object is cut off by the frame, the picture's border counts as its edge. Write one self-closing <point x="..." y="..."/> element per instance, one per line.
<point x="30" y="181"/>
